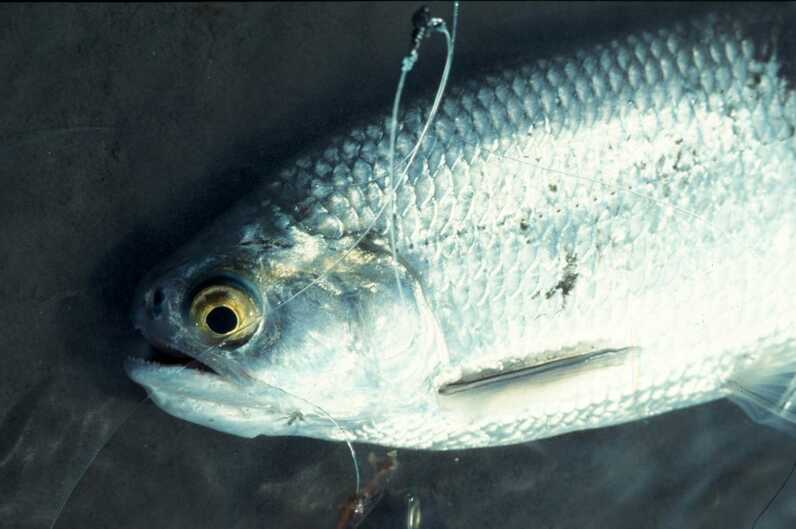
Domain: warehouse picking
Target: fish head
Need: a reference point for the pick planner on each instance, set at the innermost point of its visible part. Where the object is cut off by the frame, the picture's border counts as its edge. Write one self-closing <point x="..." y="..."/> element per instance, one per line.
<point x="284" y="332"/>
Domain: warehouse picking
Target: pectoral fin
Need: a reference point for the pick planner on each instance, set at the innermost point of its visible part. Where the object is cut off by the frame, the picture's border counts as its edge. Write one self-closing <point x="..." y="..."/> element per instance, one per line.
<point x="766" y="391"/>
<point x="563" y="376"/>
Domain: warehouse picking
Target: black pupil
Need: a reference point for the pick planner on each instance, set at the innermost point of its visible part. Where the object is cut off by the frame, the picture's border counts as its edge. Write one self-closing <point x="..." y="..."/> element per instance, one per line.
<point x="221" y="320"/>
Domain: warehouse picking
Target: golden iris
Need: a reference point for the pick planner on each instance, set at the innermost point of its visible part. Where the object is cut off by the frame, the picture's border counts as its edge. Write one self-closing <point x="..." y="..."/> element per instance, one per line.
<point x="224" y="313"/>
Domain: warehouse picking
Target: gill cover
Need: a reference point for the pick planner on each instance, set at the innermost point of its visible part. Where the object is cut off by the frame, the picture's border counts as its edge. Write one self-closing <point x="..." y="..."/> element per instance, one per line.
<point x="292" y="324"/>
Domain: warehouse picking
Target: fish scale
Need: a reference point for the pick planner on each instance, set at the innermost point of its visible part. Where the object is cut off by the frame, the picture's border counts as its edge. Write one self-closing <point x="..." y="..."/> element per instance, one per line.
<point x="618" y="73"/>
<point x="637" y="195"/>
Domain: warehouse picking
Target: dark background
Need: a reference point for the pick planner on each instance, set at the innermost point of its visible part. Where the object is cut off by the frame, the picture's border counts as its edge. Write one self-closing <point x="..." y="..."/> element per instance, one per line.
<point x="123" y="131"/>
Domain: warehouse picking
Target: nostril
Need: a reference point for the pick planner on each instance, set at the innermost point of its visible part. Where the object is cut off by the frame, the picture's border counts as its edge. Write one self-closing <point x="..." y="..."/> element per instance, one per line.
<point x="155" y="302"/>
<point x="157" y="298"/>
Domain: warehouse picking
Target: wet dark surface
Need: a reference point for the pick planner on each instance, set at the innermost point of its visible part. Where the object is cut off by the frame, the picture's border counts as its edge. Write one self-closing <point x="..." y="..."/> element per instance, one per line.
<point x="125" y="129"/>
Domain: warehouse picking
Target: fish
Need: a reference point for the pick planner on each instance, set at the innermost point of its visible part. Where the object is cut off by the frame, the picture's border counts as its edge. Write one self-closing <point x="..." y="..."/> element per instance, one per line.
<point x="584" y="239"/>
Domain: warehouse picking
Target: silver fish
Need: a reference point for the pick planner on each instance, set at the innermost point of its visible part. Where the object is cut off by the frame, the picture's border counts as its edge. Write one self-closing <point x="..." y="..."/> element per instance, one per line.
<point x="583" y="240"/>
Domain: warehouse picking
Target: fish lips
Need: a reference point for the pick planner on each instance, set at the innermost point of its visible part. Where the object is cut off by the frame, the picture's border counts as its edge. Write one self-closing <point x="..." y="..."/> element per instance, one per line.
<point x="163" y="381"/>
<point x="246" y="410"/>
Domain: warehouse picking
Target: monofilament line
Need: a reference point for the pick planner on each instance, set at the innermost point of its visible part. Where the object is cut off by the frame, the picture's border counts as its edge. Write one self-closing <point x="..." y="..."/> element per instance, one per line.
<point x="424" y="24"/>
<point x="450" y="39"/>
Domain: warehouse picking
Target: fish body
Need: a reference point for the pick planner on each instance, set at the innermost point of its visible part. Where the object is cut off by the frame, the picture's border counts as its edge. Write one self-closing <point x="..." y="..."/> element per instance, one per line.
<point x="582" y="240"/>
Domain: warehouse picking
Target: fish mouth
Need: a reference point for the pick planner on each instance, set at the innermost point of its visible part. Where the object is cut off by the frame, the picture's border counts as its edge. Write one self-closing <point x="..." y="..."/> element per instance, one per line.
<point x="193" y="391"/>
<point x="166" y="376"/>
<point x="161" y="353"/>
<point x="166" y="372"/>
<point x="164" y="355"/>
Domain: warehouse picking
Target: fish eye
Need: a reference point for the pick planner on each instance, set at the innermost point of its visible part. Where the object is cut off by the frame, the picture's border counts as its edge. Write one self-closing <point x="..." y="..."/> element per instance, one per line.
<point x="224" y="312"/>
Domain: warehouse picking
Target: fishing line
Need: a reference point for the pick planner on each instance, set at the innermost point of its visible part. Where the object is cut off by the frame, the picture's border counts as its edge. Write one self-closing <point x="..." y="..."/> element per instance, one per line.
<point x="423" y="23"/>
<point x="773" y="499"/>
<point x="422" y="26"/>
<point x="240" y="376"/>
<point x="77" y="482"/>
<point x="102" y="447"/>
<point x="245" y="380"/>
<point x="347" y="436"/>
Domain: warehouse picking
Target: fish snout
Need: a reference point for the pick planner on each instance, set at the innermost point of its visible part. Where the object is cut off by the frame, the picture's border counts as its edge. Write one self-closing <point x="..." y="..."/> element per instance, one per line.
<point x="150" y="306"/>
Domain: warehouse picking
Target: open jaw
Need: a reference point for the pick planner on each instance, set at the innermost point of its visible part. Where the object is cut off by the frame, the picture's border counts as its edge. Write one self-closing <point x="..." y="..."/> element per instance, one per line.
<point x="167" y="373"/>
<point x="203" y="358"/>
<point x="167" y="356"/>
<point x="188" y="379"/>
<point x="201" y="396"/>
